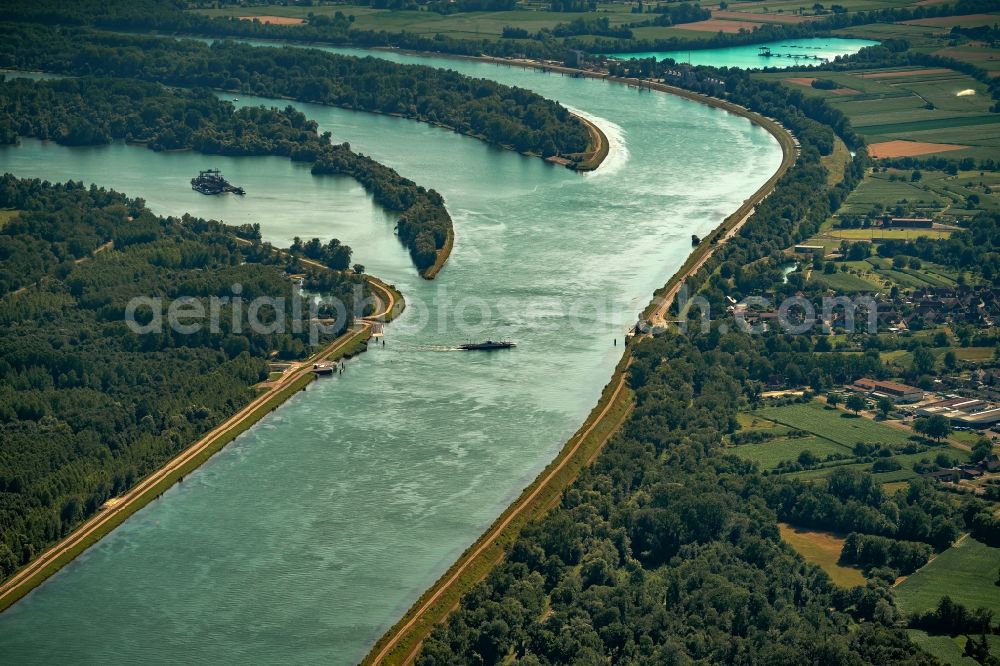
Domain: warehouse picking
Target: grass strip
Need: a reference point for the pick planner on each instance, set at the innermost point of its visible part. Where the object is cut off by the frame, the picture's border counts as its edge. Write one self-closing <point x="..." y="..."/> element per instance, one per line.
<point x="156" y="490"/>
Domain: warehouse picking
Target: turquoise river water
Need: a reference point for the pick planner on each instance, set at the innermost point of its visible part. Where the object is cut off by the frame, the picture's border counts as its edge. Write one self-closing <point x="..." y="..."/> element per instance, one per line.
<point x="784" y="53"/>
<point x="311" y="534"/>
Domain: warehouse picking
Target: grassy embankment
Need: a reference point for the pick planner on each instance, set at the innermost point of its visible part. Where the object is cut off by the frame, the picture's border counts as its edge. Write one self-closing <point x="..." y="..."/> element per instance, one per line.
<point x="155" y="491"/>
<point x="345" y="346"/>
<point x="6" y="215"/>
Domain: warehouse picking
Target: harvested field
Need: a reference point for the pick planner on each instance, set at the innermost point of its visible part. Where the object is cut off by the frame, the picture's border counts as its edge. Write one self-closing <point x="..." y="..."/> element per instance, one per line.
<point x="908" y="72"/>
<point x="909" y="148"/>
<point x="716" y="25"/>
<point x="807" y="82"/>
<point x="966" y="21"/>
<point x="766" y="18"/>
<point x="968" y="54"/>
<point x="823" y="550"/>
<point x="276" y="20"/>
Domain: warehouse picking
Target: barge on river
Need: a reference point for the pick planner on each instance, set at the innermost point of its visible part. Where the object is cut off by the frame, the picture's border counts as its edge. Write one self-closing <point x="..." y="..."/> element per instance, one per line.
<point x="211" y="181"/>
<point x="486" y="346"/>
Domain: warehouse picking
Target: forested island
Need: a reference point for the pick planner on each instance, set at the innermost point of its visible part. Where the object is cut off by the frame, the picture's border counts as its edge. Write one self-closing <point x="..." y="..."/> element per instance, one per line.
<point x="93" y="111"/>
<point x="498" y="114"/>
<point x="87" y="405"/>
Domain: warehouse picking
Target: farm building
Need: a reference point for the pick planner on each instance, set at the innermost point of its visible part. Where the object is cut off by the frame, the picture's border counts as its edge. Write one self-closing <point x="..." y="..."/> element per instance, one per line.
<point x="893" y="390"/>
<point x="964" y="412"/>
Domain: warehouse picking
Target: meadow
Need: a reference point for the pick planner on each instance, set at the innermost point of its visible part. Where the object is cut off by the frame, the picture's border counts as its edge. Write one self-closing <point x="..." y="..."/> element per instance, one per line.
<point x="845" y="282"/>
<point x="966" y="572"/>
<point x="6" y="215"/>
<point x="463" y="25"/>
<point x="831" y="424"/>
<point x="832" y="431"/>
<point x="768" y="454"/>
<point x="823" y="550"/>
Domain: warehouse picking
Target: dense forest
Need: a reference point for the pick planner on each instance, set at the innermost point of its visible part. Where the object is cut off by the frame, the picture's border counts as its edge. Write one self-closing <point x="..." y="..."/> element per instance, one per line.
<point x="92" y="111"/>
<point x="87" y="405"/>
<point x="666" y="550"/>
<point x="499" y="114"/>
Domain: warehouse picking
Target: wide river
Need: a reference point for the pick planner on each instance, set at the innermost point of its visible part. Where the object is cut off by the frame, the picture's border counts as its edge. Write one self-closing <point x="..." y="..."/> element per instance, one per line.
<point x="306" y="538"/>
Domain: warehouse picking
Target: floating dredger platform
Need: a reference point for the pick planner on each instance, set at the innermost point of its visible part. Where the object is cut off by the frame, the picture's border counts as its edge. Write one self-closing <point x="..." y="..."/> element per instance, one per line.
<point x="486" y="346"/>
<point x="210" y="181"/>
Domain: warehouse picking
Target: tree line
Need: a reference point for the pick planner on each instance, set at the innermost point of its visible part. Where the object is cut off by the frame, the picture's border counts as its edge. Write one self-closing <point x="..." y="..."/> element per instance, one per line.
<point x="93" y="111"/>
<point x="498" y="114"/>
<point x="87" y="405"/>
<point x="171" y="17"/>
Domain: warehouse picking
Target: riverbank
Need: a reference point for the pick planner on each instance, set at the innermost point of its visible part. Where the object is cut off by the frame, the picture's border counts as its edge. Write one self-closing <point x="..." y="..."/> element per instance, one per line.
<point x="592" y="159"/>
<point x="401" y="644"/>
<point x="442" y="257"/>
<point x="119" y="509"/>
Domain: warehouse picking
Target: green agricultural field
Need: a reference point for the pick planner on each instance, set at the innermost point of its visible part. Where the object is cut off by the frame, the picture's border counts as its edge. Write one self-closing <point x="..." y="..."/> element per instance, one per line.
<point x="768" y="454"/>
<point x="814" y="417"/>
<point x="966" y="572"/>
<point x="905" y="473"/>
<point x="914" y="104"/>
<point x="464" y="25"/>
<point x="876" y="234"/>
<point x="949" y="650"/>
<point x="945" y="23"/>
<point x="669" y="32"/>
<point x="906" y="279"/>
<point x="980" y="55"/>
<point x="936" y="194"/>
<point x="749" y="421"/>
<point x="975" y="354"/>
<point x="877" y="189"/>
<point x="948" y="127"/>
<point x="903" y="359"/>
<point x="845" y="282"/>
